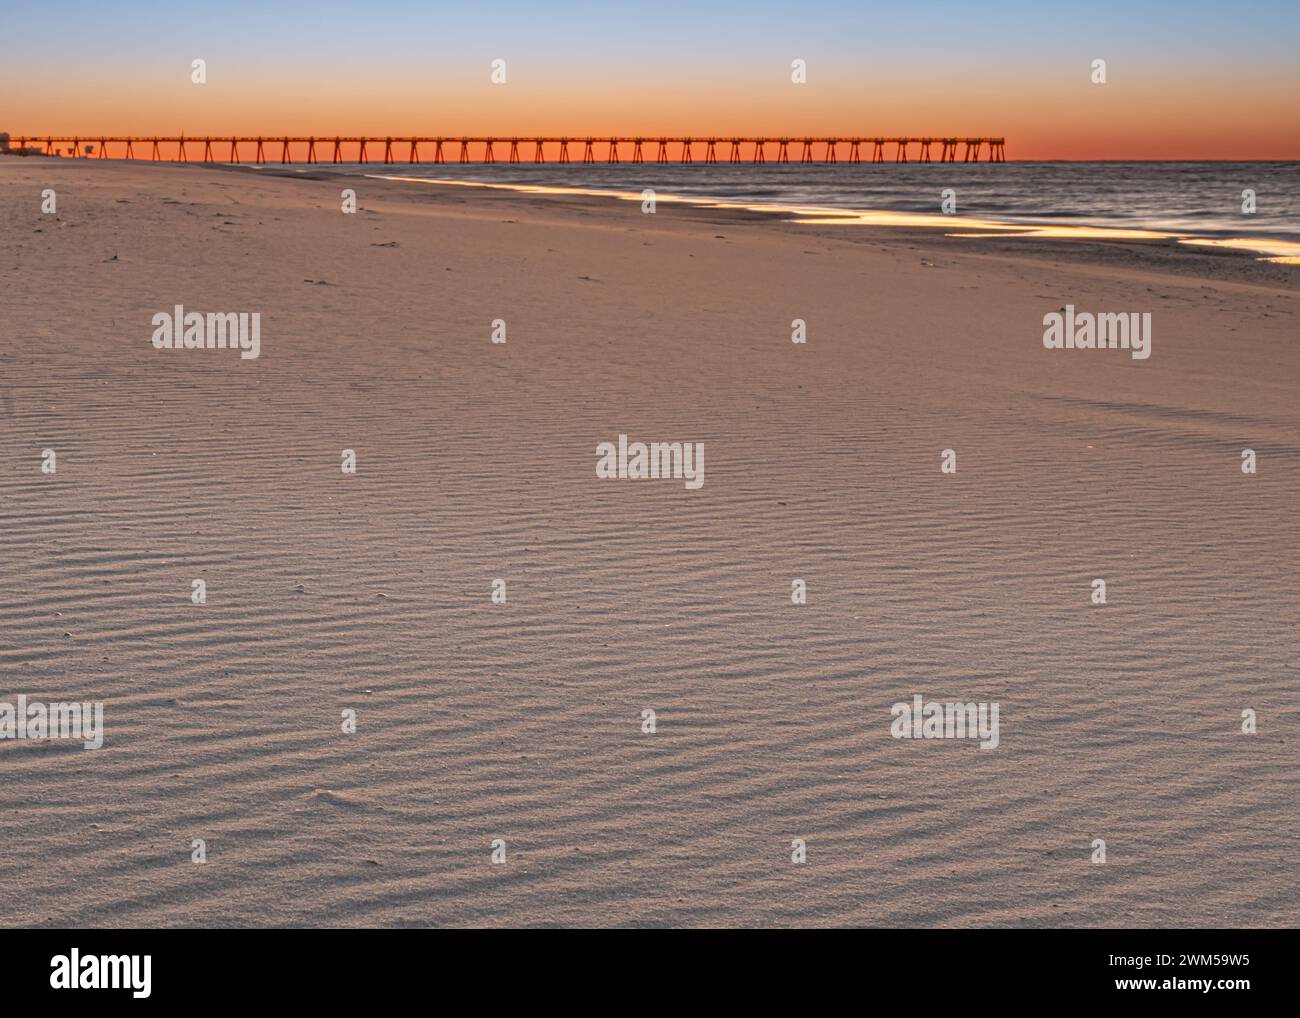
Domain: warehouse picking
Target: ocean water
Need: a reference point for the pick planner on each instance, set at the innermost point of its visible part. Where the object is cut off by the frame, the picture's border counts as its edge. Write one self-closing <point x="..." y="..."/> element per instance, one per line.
<point x="1191" y="199"/>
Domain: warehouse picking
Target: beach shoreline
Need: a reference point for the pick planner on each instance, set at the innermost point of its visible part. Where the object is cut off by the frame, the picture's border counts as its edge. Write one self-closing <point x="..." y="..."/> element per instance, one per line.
<point x="1175" y="252"/>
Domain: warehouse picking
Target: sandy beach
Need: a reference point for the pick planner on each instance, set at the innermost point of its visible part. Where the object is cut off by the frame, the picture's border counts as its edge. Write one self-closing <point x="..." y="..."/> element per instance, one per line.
<point x="522" y="721"/>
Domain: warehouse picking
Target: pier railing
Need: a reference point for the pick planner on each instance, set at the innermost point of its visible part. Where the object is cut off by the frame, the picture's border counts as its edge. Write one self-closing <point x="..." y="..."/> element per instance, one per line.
<point x="587" y="149"/>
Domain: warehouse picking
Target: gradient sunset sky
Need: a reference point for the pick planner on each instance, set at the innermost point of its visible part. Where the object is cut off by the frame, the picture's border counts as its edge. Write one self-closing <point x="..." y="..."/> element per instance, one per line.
<point x="1186" y="80"/>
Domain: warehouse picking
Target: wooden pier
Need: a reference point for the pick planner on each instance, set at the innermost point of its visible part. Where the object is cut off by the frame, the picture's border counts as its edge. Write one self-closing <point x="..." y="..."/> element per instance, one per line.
<point x="391" y="150"/>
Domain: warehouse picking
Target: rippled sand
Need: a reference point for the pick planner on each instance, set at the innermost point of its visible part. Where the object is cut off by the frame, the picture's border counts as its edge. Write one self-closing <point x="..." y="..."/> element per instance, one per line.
<point x="521" y="721"/>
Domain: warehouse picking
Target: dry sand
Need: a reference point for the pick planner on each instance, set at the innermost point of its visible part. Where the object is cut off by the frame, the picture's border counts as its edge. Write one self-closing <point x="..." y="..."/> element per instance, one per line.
<point x="476" y="461"/>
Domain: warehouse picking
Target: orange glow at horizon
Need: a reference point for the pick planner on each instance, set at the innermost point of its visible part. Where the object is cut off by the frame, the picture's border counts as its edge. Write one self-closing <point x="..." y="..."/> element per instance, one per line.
<point x="1163" y="118"/>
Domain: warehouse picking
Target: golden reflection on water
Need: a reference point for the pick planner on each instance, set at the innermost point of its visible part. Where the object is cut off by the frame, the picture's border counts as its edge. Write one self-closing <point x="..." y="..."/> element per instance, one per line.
<point x="1283" y="252"/>
<point x="1279" y="251"/>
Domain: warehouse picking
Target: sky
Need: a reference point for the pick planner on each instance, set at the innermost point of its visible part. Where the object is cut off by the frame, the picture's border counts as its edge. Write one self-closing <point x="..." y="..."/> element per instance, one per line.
<point x="1184" y="80"/>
